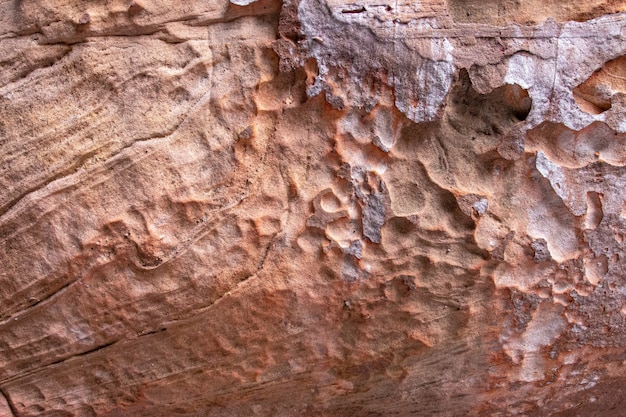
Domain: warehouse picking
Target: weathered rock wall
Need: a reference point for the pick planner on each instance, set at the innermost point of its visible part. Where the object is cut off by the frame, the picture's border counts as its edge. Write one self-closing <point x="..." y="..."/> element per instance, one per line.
<point x="312" y="208"/>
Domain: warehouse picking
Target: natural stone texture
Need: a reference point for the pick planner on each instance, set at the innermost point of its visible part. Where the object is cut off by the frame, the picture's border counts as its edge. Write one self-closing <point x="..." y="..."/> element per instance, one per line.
<point x="314" y="207"/>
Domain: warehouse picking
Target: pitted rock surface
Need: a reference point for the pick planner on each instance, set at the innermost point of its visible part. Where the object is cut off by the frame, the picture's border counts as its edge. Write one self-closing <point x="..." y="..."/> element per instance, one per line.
<point x="312" y="208"/>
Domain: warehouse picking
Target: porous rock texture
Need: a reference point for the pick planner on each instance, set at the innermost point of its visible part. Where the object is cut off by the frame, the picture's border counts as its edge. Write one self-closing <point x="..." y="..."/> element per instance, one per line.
<point x="312" y="208"/>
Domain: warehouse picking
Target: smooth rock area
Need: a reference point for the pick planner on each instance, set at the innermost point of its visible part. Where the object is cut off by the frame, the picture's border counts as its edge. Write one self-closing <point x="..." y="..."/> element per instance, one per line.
<point x="312" y="208"/>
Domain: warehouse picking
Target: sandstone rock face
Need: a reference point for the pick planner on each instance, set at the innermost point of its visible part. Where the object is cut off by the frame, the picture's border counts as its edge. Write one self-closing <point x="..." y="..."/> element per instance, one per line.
<point x="312" y="208"/>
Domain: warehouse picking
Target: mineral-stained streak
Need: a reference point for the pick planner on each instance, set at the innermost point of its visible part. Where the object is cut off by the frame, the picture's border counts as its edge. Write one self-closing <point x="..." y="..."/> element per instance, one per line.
<point x="312" y="208"/>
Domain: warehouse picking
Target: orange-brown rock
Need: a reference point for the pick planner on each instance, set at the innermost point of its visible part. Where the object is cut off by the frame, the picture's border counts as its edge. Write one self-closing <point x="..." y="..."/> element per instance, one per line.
<point x="312" y="208"/>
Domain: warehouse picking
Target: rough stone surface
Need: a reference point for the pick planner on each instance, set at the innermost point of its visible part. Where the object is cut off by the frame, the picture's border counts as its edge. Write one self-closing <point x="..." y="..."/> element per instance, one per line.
<point x="312" y="208"/>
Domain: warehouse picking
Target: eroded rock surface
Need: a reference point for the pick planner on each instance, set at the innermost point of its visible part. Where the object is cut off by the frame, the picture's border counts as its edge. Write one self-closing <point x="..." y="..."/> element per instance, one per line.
<point x="313" y="207"/>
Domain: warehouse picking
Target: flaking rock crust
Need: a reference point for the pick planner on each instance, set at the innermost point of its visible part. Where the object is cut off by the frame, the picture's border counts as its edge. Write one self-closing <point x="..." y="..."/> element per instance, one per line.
<point x="312" y="208"/>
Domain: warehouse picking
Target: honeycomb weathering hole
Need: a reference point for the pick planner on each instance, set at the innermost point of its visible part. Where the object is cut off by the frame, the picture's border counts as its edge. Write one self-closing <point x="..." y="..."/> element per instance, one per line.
<point x="518" y="100"/>
<point x="595" y="95"/>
